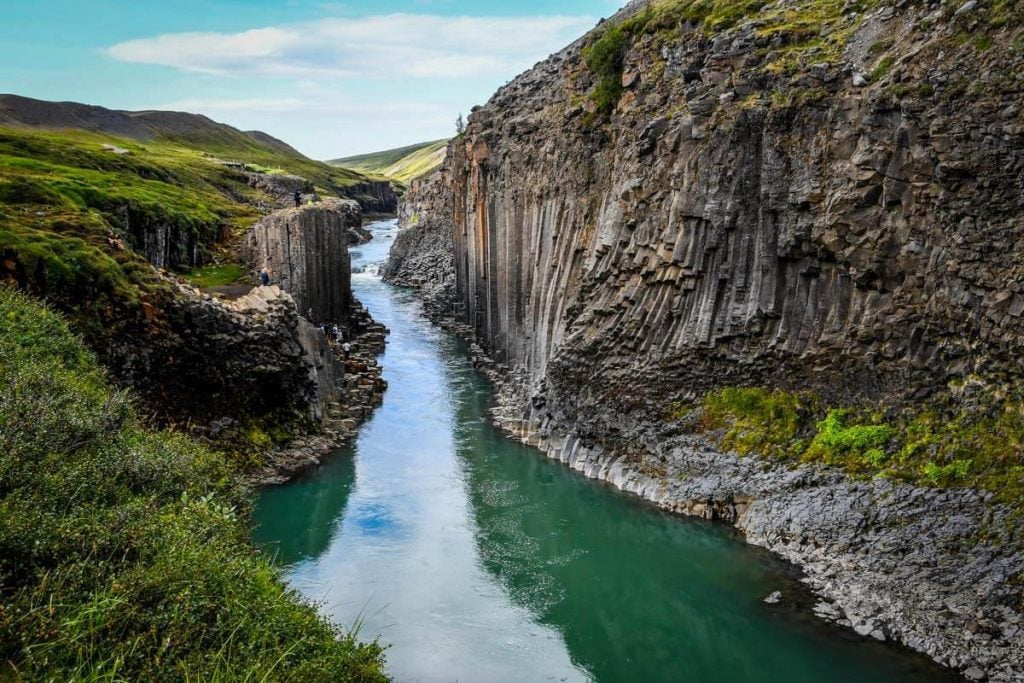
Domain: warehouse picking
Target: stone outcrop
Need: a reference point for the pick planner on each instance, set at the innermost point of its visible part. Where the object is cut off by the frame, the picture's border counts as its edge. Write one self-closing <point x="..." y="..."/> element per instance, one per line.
<point x="306" y="251"/>
<point x="422" y="256"/>
<point x="218" y="360"/>
<point x="374" y="196"/>
<point x="349" y="390"/>
<point x="280" y="186"/>
<point x="853" y="228"/>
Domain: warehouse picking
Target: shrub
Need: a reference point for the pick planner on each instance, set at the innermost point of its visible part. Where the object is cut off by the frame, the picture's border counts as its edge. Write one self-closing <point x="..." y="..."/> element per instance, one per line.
<point x="604" y="59"/>
<point x="837" y="443"/>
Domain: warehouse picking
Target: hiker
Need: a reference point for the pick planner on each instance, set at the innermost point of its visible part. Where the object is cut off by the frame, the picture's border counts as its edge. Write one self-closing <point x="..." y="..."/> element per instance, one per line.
<point x="265" y="277"/>
<point x="335" y="334"/>
<point x="298" y="199"/>
<point x="346" y="348"/>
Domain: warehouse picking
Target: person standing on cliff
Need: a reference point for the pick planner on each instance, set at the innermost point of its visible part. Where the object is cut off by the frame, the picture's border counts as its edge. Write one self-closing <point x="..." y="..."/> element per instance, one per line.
<point x="265" y="277"/>
<point x="346" y="348"/>
<point x="298" y="199"/>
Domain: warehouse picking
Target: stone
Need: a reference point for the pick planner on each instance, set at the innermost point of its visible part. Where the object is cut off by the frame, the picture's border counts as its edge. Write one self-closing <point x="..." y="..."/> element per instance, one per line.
<point x="852" y="246"/>
<point x="966" y="7"/>
<point x="774" y="598"/>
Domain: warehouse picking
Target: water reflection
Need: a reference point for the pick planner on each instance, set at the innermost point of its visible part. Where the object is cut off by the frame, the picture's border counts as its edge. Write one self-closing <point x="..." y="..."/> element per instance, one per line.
<point x="478" y="560"/>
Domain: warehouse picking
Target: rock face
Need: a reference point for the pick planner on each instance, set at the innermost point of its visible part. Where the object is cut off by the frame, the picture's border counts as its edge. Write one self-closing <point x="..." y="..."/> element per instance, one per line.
<point x="745" y="244"/>
<point x="843" y="228"/>
<point x="422" y="256"/>
<point x="375" y="196"/>
<point x="306" y="251"/>
<point x="233" y="359"/>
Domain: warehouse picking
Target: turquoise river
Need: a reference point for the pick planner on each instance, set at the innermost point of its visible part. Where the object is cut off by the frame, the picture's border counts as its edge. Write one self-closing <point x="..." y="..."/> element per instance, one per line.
<point x="475" y="559"/>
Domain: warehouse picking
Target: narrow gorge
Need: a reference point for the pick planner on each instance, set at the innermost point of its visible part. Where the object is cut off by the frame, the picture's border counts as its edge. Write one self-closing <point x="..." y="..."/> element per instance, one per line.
<point x="692" y="354"/>
<point x="847" y="232"/>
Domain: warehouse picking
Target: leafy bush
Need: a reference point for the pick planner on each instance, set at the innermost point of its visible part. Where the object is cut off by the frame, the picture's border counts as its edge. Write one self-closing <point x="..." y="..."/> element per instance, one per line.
<point x="837" y="443"/>
<point x="604" y="59"/>
<point x="123" y="552"/>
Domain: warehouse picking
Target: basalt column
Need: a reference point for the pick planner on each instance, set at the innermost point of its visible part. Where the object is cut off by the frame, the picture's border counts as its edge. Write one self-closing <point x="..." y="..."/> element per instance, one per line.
<point x="306" y="251"/>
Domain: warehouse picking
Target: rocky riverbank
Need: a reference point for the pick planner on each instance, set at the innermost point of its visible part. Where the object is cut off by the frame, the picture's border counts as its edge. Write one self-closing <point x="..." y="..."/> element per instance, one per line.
<point x="306" y="252"/>
<point x="934" y="570"/>
<point x="809" y="225"/>
<point x="360" y="390"/>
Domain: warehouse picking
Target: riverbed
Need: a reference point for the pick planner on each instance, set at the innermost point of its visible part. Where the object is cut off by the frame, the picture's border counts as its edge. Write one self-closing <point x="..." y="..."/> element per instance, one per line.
<point x="474" y="558"/>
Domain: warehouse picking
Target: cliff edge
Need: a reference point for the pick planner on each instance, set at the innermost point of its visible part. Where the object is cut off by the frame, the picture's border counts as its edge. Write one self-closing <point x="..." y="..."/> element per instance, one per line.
<point x="791" y="229"/>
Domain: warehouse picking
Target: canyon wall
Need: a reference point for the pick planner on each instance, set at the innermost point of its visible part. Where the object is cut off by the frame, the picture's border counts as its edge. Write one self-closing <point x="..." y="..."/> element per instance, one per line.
<point x="423" y="254"/>
<point x="862" y="242"/>
<point x="829" y="207"/>
<point x="306" y="252"/>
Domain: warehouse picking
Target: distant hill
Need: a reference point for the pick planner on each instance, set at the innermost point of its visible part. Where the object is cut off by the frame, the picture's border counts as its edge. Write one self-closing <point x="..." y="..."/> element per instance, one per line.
<point x="143" y="126"/>
<point x="192" y="131"/>
<point x="403" y="164"/>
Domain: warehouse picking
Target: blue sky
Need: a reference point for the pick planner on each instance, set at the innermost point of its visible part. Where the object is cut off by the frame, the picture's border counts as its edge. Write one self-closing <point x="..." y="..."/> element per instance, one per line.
<point x="331" y="78"/>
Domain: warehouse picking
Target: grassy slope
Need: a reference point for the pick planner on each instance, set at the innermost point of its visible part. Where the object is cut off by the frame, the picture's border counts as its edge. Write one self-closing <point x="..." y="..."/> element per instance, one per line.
<point x="61" y="194"/>
<point x="123" y="554"/>
<point x="404" y="164"/>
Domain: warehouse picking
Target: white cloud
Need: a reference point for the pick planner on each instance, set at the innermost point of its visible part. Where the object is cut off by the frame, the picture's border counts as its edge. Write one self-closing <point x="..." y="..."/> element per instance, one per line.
<point x="396" y="45"/>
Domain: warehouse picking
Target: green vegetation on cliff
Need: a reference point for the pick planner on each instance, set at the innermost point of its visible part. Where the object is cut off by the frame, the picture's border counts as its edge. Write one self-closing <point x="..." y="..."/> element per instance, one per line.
<point x="81" y="212"/>
<point x="404" y="164"/>
<point x="123" y="553"/>
<point x="790" y="32"/>
<point x="944" y="443"/>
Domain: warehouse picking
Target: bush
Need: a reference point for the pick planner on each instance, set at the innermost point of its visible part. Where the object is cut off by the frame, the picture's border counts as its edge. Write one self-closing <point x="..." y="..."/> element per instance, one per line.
<point x="123" y="553"/>
<point x="604" y="59"/>
<point x="836" y="443"/>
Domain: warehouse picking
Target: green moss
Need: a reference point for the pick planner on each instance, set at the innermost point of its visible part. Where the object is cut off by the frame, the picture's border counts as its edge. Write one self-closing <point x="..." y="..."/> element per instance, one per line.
<point x="982" y="42"/>
<point x="124" y="553"/>
<point x="882" y="68"/>
<point x="940" y="444"/>
<point x="879" y="47"/>
<point x="756" y="420"/>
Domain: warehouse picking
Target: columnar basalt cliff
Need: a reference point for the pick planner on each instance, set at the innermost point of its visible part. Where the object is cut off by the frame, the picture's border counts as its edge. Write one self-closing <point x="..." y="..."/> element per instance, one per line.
<point x="753" y="207"/>
<point x="306" y="251"/>
<point x="422" y="256"/>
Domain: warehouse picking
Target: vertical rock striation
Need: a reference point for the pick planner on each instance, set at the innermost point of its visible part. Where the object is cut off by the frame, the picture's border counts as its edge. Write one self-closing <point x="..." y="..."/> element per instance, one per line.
<point x="306" y="250"/>
<point x="851" y="226"/>
<point x="422" y="256"/>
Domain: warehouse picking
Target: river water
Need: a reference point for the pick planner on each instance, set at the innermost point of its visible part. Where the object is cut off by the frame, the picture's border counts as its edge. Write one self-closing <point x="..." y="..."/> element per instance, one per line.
<point x="476" y="559"/>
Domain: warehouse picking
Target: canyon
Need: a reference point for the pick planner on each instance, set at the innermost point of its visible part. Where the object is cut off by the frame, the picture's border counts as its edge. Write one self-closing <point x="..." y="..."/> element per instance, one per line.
<point x="848" y="227"/>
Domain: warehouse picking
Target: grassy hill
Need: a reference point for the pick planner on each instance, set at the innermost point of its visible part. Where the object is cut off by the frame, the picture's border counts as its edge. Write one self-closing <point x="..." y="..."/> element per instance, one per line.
<point x="403" y="164"/>
<point x="169" y="129"/>
<point x="64" y="193"/>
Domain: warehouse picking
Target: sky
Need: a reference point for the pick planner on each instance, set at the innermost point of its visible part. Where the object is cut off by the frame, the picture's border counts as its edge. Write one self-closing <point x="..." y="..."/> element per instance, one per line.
<point x="330" y="78"/>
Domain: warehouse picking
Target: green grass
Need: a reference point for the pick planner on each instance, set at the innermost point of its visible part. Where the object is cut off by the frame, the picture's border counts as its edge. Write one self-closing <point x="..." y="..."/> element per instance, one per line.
<point x="403" y="164"/>
<point x="815" y="30"/>
<point x="217" y="275"/>
<point x="63" y="198"/>
<point x="124" y="553"/>
<point x="940" y="444"/>
<point x="882" y="68"/>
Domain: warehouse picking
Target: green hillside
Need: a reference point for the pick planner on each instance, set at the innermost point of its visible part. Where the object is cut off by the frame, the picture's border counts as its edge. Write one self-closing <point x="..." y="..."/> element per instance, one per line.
<point x="403" y="164"/>
<point x="124" y="552"/>
<point x="62" y="194"/>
